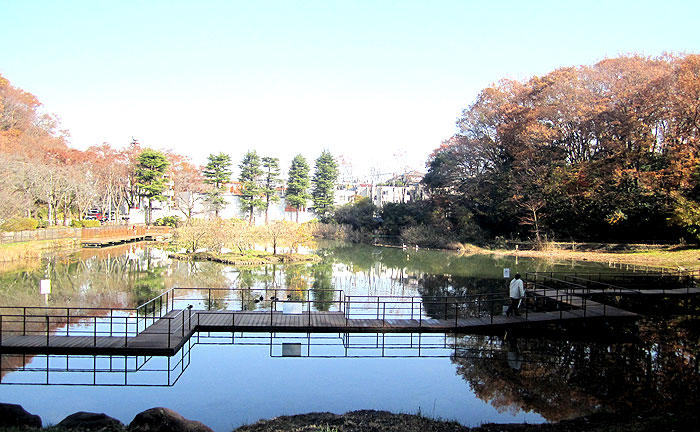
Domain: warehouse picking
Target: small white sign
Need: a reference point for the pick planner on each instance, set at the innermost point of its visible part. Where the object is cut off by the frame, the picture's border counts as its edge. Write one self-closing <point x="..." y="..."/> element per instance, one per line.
<point x="506" y="272"/>
<point x="292" y="307"/>
<point x="45" y="286"/>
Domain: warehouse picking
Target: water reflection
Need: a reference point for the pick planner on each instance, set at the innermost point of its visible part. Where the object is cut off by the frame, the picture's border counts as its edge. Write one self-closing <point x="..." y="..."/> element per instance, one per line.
<point x="558" y="374"/>
<point x="630" y="367"/>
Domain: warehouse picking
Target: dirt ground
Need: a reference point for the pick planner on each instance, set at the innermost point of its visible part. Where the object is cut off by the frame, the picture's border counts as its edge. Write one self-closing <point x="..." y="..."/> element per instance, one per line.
<point x="375" y="421"/>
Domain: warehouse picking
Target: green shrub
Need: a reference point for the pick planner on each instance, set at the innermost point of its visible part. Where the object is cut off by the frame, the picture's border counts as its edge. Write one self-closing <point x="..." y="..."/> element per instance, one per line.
<point x="90" y="223"/>
<point x="171" y="221"/>
<point x="19" y="224"/>
<point x="427" y="236"/>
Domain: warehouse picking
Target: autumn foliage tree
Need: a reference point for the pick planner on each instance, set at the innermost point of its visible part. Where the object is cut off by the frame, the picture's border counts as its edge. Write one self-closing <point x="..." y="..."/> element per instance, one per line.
<point x="605" y="152"/>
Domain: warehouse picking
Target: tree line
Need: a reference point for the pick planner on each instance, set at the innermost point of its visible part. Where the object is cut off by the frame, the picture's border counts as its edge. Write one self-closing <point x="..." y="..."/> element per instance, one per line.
<point x="603" y="152"/>
<point x="44" y="179"/>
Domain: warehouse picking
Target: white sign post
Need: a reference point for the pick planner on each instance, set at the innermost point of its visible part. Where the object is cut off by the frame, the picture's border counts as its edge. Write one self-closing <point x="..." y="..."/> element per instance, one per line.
<point x="506" y="273"/>
<point x="45" y="286"/>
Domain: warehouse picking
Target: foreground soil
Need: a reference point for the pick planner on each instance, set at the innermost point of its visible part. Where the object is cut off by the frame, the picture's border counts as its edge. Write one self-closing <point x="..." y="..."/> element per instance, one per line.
<point x="375" y="421"/>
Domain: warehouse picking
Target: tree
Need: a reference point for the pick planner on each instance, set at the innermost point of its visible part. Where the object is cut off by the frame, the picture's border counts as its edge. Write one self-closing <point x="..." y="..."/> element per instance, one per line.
<point x="150" y="172"/>
<point x="298" y="184"/>
<point x="217" y="173"/>
<point x="325" y="175"/>
<point x="359" y="215"/>
<point x="271" y="172"/>
<point x="251" y="191"/>
<point x="188" y="187"/>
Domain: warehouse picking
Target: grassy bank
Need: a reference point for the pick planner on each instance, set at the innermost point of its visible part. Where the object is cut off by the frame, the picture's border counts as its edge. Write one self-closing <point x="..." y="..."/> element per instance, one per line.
<point x="247" y="258"/>
<point x="34" y="249"/>
<point x="676" y="258"/>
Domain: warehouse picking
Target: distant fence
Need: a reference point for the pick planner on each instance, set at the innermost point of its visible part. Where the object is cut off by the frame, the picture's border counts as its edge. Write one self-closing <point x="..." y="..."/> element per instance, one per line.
<point x="79" y="233"/>
<point x="40" y="234"/>
<point x="120" y="231"/>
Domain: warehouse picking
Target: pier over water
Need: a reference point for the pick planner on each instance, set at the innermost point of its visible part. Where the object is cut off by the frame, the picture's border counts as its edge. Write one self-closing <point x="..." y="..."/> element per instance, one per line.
<point x="164" y="324"/>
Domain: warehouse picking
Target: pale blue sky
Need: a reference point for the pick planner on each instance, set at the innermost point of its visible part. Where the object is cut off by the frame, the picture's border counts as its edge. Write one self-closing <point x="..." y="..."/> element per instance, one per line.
<point x="379" y="82"/>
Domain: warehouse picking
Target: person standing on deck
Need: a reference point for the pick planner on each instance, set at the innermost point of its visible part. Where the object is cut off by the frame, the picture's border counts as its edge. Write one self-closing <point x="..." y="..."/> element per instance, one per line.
<point x="517" y="292"/>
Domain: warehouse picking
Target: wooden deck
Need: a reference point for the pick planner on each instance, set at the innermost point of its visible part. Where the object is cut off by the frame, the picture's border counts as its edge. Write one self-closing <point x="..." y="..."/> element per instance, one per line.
<point x="110" y="241"/>
<point x="166" y="335"/>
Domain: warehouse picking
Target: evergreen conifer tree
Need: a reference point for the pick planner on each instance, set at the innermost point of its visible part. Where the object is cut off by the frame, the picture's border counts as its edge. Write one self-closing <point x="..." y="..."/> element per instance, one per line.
<point x="298" y="184"/>
<point x="323" y="181"/>
<point x="217" y="172"/>
<point x="251" y="191"/>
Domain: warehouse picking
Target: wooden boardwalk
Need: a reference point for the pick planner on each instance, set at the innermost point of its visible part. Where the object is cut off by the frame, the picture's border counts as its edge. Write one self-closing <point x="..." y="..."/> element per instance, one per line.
<point x="168" y="334"/>
<point x="110" y="241"/>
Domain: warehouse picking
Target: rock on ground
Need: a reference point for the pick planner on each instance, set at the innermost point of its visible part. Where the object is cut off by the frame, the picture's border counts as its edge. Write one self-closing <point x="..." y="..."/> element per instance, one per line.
<point x="165" y="420"/>
<point x="15" y="415"/>
<point x="87" y="421"/>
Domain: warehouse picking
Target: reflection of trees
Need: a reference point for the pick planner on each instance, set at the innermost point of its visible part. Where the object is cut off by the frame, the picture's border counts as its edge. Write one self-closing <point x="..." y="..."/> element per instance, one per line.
<point x="296" y="277"/>
<point x="365" y="257"/>
<point x="203" y="274"/>
<point x="437" y="290"/>
<point x="564" y="379"/>
<point x="322" y="286"/>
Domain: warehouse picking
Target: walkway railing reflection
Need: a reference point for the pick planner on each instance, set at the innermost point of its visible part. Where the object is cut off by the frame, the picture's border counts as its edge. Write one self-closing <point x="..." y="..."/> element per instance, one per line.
<point x="94" y="370"/>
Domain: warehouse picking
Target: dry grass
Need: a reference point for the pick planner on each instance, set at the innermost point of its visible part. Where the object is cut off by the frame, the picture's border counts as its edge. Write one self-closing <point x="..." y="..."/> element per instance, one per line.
<point x="33" y="249"/>
<point x="680" y="259"/>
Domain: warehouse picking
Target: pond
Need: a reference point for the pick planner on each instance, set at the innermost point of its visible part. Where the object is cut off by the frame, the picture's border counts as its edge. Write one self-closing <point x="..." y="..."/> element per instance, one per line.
<point x="226" y="380"/>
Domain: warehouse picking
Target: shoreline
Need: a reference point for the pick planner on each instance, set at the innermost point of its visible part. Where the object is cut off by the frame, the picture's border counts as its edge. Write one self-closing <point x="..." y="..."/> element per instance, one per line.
<point x="15" y="418"/>
<point x="245" y="260"/>
<point x="680" y="258"/>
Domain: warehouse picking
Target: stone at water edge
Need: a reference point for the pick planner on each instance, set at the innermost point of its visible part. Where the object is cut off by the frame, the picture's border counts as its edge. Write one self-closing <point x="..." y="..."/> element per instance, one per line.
<point x="15" y="415"/>
<point x="90" y="421"/>
<point x="165" y="420"/>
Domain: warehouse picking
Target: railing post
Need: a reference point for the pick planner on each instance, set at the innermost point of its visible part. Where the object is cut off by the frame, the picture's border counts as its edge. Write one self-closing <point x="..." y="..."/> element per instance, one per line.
<point x="0" y="330"/>
<point x="456" y="312"/>
<point x="67" y="321"/>
<point x="420" y="314"/>
<point x="24" y="320"/>
<point x="383" y="313"/>
<point x="94" y="340"/>
<point x="189" y="317"/>
<point x="209" y="305"/>
<point x="525" y="301"/>
<point x="169" y="333"/>
<point x="47" y="330"/>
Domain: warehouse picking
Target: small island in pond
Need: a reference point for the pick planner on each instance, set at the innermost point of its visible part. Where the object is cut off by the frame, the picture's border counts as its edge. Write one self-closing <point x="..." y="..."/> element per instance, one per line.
<point x="246" y="258"/>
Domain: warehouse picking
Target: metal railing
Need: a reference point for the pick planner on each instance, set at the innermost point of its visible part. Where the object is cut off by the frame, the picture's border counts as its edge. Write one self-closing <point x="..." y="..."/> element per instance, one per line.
<point x="620" y="283"/>
<point x="179" y="311"/>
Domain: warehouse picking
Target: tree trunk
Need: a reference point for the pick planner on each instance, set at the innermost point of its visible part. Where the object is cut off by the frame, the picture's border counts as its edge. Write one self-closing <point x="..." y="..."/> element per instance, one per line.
<point x="65" y="215"/>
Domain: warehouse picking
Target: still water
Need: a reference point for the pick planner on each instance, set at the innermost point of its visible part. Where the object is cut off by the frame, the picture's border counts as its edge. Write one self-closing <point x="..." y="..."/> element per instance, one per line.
<point x="226" y="380"/>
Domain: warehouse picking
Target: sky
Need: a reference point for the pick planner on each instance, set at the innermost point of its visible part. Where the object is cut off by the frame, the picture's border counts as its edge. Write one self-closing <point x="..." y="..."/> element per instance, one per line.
<point x="377" y="83"/>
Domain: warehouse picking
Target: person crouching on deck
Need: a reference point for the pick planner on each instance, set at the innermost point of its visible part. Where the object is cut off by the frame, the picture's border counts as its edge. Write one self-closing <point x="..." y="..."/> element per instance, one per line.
<point x="517" y="292"/>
